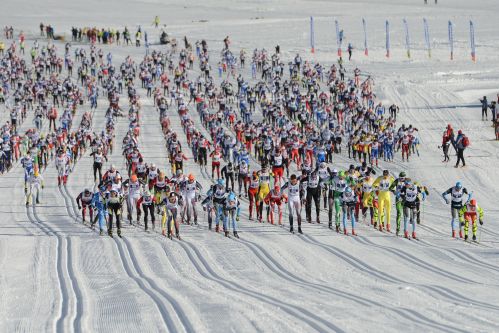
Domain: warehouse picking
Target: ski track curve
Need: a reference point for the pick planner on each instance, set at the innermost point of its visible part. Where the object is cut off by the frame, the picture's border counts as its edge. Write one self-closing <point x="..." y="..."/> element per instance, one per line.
<point x="318" y="324"/>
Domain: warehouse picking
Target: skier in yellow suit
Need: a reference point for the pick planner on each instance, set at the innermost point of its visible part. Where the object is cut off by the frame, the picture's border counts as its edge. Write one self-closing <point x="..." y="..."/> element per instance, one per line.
<point x="382" y="184"/>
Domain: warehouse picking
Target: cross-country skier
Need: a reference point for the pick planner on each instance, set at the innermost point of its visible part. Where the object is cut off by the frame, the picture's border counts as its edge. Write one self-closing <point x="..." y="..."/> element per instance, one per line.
<point x="469" y="214"/>
<point x="457" y="192"/>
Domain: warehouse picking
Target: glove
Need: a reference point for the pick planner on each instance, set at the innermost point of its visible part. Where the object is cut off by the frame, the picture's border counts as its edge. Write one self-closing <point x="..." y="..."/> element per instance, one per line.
<point x="446" y="201"/>
<point x="204" y="208"/>
<point x="481" y="222"/>
<point x="43" y="186"/>
<point x="79" y="207"/>
<point x="462" y="224"/>
<point x="237" y="218"/>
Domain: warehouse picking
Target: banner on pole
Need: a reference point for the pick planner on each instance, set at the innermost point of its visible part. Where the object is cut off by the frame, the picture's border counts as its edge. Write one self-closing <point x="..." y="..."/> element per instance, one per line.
<point x="339" y="37"/>
<point x="427" y="37"/>
<point x="472" y="41"/>
<point x="312" y="37"/>
<point x="366" y="51"/>
<point x="451" y="40"/>
<point x="387" y="27"/>
<point x="407" y="40"/>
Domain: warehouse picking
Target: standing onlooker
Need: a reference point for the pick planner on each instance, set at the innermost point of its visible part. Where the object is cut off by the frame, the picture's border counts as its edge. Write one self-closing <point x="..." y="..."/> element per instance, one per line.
<point x="485" y="105"/>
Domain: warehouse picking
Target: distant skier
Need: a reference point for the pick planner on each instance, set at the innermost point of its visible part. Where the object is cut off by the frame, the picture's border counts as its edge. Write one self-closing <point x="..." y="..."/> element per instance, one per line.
<point x="462" y="142"/>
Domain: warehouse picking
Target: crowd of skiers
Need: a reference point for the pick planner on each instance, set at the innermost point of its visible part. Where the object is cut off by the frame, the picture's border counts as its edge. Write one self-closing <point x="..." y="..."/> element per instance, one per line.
<point x="272" y="140"/>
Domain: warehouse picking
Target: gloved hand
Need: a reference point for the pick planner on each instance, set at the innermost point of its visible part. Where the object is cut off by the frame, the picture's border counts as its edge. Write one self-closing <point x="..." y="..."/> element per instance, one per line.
<point x="446" y="201"/>
<point x="481" y="222"/>
<point x="237" y="218"/>
<point x="204" y="208"/>
<point x="43" y="186"/>
<point x="462" y="224"/>
<point x="79" y="207"/>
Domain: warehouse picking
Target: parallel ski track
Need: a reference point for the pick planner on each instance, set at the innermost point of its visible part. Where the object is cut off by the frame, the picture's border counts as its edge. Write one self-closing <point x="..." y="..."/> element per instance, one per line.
<point x="62" y="247"/>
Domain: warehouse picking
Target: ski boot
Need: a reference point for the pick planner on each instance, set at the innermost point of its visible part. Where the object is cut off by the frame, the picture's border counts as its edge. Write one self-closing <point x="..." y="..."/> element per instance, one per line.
<point x="318" y="220"/>
<point x="129" y="217"/>
<point x="170" y="235"/>
<point x="414" y="235"/>
<point x="177" y="235"/>
<point x="345" y="232"/>
<point x="110" y="233"/>
<point x="375" y="225"/>
<point x="381" y="227"/>
<point x="163" y="232"/>
<point x="153" y="226"/>
<point x="453" y="233"/>
<point x="337" y="229"/>
<point x="101" y="232"/>
<point x="291" y="229"/>
<point x="27" y="203"/>
<point x="235" y="234"/>
<point x="330" y="225"/>
<point x="465" y="238"/>
<point x="217" y="228"/>
<point x="406" y="234"/>
<point x="119" y="233"/>
<point x="397" y="232"/>
<point x="388" y="227"/>
<point x="209" y="226"/>
<point x="299" y="230"/>
<point x="460" y="234"/>
<point x="226" y="233"/>
<point x="37" y="201"/>
<point x="354" y="233"/>
<point x="474" y="238"/>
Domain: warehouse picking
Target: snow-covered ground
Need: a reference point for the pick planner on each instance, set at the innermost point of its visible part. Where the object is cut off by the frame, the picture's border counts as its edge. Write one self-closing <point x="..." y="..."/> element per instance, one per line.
<point x="57" y="275"/>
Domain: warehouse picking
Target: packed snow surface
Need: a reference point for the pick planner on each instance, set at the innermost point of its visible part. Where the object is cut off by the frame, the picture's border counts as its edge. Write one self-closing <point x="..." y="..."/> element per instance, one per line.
<point x="58" y="275"/>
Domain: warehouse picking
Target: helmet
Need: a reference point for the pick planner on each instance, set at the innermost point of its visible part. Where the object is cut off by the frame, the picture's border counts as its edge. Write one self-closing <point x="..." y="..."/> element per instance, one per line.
<point x="460" y="132"/>
<point x="113" y="192"/>
<point x="113" y="167"/>
<point x="323" y="165"/>
<point x="191" y="177"/>
<point x="408" y="182"/>
<point x="221" y="182"/>
<point x="473" y="202"/>
<point x="385" y="173"/>
<point x="102" y="188"/>
<point x="255" y="174"/>
<point x="341" y="174"/>
<point x="335" y="170"/>
<point x="277" y="188"/>
<point x="348" y="190"/>
<point x="231" y="197"/>
<point x="133" y="178"/>
<point x="161" y="175"/>
<point x="402" y="174"/>
<point x="153" y="166"/>
<point x="179" y="172"/>
<point x="459" y="185"/>
<point x="147" y="193"/>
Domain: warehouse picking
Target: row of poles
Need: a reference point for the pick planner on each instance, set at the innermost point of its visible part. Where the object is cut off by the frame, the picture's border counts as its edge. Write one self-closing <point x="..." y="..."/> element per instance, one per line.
<point x="339" y="38"/>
